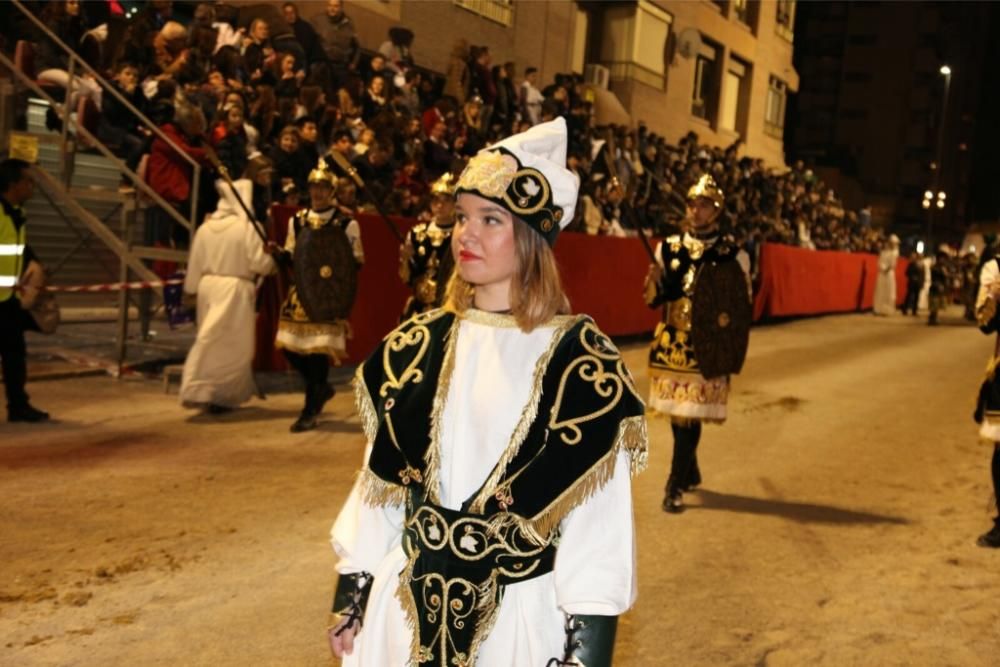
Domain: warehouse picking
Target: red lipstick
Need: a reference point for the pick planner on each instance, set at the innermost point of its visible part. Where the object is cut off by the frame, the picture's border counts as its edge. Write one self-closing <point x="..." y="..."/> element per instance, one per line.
<point x="466" y="256"/>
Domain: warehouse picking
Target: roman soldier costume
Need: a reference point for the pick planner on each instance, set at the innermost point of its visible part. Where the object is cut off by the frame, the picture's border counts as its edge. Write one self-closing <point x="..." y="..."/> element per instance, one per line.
<point x="491" y="523"/>
<point x="680" y="387"/>
<point x="324" y="248"/>
<point x="425" y="260"/>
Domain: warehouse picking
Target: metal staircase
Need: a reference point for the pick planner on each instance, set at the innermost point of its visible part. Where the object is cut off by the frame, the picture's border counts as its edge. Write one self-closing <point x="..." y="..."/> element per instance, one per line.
<point x="82" y="226"/>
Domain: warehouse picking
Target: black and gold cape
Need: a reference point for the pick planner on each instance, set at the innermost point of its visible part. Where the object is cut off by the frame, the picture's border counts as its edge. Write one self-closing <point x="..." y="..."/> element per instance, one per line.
<point x="582" y="413"/>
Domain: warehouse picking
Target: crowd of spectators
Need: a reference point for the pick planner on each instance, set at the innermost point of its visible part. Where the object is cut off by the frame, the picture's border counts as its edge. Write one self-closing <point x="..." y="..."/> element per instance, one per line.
<point x="273" y="93"/>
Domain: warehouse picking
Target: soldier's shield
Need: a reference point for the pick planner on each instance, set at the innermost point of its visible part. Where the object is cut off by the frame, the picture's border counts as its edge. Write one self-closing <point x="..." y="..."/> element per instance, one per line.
<point x="326" y="276"/>
<point x="721" y="317"/>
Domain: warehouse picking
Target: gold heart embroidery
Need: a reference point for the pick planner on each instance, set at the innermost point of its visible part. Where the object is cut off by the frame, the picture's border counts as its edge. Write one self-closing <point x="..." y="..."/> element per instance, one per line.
<point x="396" y="343"/>
<point x="605" y="385"/>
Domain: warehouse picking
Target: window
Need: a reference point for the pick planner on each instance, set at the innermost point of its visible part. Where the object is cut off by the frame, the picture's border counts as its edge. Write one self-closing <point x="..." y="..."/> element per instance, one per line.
<point x="785" y="18"/>
<point x="774" y="109"/>
<point x="703" y="96"/>
<point x="735" y="91"/>
<point x="633" y="40"/>
<point x="500" y="11"/>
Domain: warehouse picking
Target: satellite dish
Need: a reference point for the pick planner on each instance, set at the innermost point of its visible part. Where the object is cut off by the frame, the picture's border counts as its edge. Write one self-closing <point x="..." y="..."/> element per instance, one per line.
<point x="689" y="42"/>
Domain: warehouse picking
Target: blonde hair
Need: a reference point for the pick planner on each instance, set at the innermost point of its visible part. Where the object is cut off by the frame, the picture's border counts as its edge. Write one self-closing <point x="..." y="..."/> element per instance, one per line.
<point x="536" y="293"/>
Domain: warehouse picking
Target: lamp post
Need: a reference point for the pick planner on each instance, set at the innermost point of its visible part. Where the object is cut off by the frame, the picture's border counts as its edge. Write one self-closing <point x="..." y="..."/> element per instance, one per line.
<point x="935" y="190"/>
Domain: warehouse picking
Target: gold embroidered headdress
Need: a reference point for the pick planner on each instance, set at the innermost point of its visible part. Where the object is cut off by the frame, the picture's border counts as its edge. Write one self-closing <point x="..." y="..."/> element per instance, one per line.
<point x="527" y="175"/>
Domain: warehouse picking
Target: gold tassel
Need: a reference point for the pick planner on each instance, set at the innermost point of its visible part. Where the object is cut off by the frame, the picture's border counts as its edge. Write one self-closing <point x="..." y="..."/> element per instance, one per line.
<point x="632" y="438"/>
<point x="406" y="600"/>
<point x="376" y="492"/>
<point x="432" y="458"/>
<point x="363" y="404"/>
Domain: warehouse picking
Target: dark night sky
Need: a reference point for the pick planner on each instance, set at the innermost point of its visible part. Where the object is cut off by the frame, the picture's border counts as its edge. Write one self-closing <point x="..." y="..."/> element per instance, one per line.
<point x="981" y="129"/>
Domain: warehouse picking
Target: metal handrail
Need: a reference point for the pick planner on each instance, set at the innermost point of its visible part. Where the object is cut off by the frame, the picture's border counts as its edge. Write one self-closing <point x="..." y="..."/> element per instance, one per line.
<point x="104" y="150"/>
<point x="107" y="87"/>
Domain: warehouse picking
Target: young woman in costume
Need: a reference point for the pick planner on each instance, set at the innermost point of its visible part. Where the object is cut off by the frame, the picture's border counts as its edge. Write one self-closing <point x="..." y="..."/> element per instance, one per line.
<point x="491" y="524"/>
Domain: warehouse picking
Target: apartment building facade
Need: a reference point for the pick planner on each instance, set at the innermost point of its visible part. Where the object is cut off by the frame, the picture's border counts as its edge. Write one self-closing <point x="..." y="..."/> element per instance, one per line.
<point x="720" y="68"/>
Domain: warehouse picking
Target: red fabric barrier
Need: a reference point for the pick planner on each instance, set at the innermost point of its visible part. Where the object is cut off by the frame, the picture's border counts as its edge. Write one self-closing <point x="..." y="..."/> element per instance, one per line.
<point x="797" y="281"/>
<point x="601" y="275"/>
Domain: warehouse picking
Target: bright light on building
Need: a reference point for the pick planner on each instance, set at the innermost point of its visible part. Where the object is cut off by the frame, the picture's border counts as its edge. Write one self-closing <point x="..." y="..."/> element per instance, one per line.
<point x="920" y="247"/>
<point x="940" y="203"/>
<point x="945" y="70"/>
<point x="941" y="195"/>
<point x="928" y="195"/>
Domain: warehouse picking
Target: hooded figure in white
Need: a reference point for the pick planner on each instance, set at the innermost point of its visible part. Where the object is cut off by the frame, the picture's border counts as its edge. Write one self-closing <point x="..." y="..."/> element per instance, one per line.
<point x="885" y="285"/>
<point x="226" y="257"/>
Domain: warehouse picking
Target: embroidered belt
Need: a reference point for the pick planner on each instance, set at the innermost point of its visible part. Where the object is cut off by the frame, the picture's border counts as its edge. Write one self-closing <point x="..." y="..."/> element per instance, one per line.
<point x="453" y="582"/>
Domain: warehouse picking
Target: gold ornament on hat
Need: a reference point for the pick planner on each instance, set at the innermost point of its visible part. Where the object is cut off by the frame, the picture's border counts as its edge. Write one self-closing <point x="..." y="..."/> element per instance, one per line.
<point x="322" y="174"/>
<point x="445" y="185"/>
<point x="706" y="187"/>
<point x="489" y="173"/>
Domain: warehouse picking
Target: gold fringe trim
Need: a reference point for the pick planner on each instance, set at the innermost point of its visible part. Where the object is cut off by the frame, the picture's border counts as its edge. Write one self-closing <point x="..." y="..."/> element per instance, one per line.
<point x="404" y="594"/>
<point x="632" y="438"/>
<point x="432" y="457"/>
<point x="336" y="356"/>
<point x="364" y="406"/>
<point x="376" y="492"/>
<point x="528" y="416"/>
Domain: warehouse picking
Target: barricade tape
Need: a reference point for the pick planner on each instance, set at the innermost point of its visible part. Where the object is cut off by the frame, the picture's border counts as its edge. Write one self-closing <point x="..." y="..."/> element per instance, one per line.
<point x="114" y="287"/>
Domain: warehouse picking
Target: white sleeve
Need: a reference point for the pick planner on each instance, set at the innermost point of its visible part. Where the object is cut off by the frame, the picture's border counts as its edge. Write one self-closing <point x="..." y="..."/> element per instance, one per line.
<point x="353" y="231"/>
<point x="659" y="254"/>
<point x="595" y="564"/>
<point x="192" y="275"/>
<point x="290" y="236"/>
<point x="987" y="278"/>
<point x="260" y="262"/>
<point x="743" y="259"/>
<point x="362" y="535"/>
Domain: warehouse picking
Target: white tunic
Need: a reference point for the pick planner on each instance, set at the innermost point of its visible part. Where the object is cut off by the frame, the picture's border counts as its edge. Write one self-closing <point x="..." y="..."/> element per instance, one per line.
<point x="226" y="255"/>
<point x="885" y="285"/>
<point x="594" y="570"/>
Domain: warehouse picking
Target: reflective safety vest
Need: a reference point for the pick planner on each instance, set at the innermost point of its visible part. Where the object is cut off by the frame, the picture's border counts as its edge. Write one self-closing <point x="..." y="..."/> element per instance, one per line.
<point x="12" y="244"/>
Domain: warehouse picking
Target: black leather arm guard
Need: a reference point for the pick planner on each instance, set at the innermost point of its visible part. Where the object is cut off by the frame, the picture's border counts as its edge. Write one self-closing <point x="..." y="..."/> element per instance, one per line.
<point x="590" y="641"/>
<point x="351" y="597"/>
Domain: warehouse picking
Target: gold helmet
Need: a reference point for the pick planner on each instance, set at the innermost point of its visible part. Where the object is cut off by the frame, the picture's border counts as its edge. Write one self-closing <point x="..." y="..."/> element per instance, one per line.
<point x="706" y="187"/>
<point x="322" y="174"/>
<point x="445" y="185"/>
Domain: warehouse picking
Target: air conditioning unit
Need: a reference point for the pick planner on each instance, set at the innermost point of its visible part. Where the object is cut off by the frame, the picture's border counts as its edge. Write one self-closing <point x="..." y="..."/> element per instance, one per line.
<point x="596" y="75"/>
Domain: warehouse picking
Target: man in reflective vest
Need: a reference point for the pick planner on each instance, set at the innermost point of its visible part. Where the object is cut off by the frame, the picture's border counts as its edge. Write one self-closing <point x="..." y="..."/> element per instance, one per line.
<point x="16" y="187"/>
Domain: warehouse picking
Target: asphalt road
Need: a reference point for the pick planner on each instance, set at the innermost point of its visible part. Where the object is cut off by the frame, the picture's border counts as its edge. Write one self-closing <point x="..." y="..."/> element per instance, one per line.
<point x="836" y="524"/>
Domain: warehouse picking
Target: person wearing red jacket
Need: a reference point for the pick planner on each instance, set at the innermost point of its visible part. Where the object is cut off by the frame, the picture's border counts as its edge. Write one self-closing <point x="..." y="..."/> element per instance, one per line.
<point x="168" y="173"/>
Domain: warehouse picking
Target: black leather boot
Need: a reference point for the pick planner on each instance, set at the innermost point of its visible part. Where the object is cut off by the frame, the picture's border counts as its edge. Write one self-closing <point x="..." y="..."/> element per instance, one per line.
<point x="673" y="497"/>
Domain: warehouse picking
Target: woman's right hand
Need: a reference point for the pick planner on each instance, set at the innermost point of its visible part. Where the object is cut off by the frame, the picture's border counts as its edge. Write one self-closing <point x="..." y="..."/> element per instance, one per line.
<point x="341" y="637"/>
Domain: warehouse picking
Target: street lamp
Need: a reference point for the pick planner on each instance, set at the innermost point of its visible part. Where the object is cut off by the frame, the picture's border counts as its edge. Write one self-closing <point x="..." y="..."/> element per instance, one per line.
<point x="932" y="199"/>
<point x="928" y="204"/>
